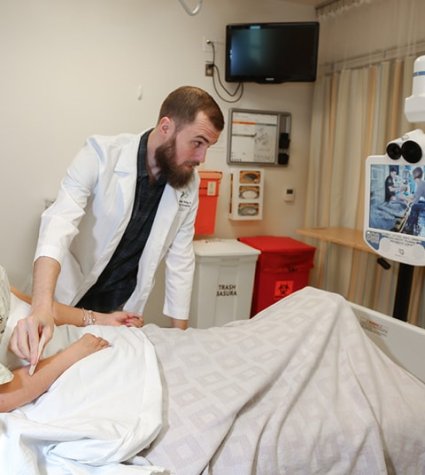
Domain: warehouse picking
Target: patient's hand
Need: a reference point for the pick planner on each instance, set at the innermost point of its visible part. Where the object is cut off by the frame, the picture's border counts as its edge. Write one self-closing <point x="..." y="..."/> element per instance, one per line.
<point x="130" y="319"/>
<point x="85" y="346"/>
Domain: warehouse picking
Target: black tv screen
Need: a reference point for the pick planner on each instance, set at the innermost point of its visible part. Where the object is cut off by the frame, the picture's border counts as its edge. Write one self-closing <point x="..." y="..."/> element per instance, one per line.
<point x="272" y="52"/>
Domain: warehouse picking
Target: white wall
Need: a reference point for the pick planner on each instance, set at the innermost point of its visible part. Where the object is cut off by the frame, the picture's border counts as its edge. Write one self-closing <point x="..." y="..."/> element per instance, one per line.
<point x="73" y="68"/>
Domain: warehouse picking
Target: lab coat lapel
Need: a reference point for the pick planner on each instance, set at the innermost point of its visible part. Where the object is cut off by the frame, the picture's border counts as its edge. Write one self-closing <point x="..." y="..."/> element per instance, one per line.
<point x="156" y="246"/>
<point x="166" y="213"/>
<point x="172" y="202"/>
<point x="126" y="173"/>
<point x="120" y="205"/>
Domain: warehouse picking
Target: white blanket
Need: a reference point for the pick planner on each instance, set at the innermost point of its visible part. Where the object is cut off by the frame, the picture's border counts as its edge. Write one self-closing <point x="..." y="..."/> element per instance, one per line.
<point x="298" y="390"/>
<point x="98" y="414"/>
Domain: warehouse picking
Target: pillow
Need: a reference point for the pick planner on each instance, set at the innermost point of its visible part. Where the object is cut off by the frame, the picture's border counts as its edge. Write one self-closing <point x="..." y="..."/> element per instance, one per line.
<point x="18" y="310"/>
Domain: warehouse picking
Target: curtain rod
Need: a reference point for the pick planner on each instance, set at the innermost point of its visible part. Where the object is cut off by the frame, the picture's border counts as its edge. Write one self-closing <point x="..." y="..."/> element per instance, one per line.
<point x="373" y="58"/>
<point x="325" y="3"/>
<point x="330" y="8"/>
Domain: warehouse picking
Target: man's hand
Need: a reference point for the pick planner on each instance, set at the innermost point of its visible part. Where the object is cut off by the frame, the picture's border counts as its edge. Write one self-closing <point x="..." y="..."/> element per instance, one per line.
<point x="26" y="336"/>
<point x="28" y="331"/>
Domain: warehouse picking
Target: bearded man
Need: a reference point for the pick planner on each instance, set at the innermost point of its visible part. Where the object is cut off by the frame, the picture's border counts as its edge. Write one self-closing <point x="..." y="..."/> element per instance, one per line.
<point x="125" y="203"/>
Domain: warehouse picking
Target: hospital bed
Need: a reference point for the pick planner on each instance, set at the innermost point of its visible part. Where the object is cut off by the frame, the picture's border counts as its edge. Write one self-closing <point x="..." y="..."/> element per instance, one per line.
<point x="301" y="388"/>
<point x="402" y="342"/>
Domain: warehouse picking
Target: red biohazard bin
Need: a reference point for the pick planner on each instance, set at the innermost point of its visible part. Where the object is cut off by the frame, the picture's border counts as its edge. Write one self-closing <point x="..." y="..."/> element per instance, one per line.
<point x="208" y="195"/>
<point x="282" y="268"/>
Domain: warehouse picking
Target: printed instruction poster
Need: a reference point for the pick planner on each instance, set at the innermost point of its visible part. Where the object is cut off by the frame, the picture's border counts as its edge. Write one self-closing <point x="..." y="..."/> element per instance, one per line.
<point x="254" y="137"/>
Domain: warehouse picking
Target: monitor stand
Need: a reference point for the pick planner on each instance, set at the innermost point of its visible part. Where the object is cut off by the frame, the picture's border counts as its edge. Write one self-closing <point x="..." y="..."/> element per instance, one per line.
<point x="404" y="287"/>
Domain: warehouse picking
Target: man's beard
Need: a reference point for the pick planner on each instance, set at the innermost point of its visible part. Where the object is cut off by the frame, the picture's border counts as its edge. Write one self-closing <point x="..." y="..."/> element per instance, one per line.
<point x="176" y="176"/>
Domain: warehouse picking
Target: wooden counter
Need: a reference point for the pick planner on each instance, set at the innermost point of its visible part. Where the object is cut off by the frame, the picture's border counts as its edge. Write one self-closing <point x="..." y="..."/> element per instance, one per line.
<point x="347" y="237"/>
<point x="353" y="238"/>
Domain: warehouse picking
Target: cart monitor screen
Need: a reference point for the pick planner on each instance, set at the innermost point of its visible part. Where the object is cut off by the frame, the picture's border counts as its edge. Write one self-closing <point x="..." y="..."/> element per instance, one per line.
<point x="394" y="224"/>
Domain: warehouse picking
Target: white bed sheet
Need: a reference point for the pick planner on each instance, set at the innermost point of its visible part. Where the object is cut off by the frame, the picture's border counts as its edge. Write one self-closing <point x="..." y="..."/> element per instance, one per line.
<point x="98" y="414"/>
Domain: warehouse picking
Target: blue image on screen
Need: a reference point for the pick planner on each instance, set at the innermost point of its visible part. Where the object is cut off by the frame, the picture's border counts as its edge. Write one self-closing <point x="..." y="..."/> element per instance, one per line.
<point x="397" y="199"/>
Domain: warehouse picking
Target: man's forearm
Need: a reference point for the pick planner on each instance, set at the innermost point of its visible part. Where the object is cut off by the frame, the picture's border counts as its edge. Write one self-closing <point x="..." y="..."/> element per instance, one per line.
<point x="45" y="276"/>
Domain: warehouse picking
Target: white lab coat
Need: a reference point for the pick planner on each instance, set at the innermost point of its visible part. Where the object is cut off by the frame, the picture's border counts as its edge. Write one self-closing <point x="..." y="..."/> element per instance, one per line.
<point x="84" y="225"/>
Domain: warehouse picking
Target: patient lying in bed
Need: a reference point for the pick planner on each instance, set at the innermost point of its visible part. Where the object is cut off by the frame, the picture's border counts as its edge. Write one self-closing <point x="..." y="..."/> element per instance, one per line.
<point x="99" y="412"/>
<point x="20" y="386"/>
<point x="298" y="389"/>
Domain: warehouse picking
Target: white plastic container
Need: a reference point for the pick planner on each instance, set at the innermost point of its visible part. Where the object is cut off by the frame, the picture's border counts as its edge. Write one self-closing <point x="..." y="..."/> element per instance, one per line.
<point x="223" y="282"/>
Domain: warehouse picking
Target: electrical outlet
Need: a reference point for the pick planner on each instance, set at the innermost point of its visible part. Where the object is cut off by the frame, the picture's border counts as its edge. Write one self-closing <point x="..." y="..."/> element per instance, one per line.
<point x="209" y="69"/>
<point x="289" y="195"/>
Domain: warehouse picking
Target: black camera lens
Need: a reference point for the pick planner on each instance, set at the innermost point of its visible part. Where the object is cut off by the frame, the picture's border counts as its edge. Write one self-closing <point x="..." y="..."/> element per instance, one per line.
<point x="393" y="151"/>
<point x="411" y="151"/>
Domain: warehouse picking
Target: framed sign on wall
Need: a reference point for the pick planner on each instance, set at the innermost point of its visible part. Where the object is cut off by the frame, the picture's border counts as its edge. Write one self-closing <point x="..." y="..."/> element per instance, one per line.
<point x="258" y="137"/>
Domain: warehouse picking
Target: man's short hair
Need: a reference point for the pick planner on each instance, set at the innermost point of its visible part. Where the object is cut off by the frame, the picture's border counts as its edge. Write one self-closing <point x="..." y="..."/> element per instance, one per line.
<point x="184" y="104"/>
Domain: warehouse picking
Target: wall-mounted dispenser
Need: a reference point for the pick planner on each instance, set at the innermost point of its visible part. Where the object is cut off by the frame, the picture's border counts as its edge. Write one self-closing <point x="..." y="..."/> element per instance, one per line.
<point x="246" y="194"/>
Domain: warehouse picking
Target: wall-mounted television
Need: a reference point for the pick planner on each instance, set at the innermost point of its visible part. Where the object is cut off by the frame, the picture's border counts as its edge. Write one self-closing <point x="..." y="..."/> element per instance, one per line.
<point x="272" y="52"/>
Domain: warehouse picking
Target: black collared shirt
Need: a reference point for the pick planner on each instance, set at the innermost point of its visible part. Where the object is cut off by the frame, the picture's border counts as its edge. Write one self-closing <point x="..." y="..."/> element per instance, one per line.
<point x="118" y="280"/>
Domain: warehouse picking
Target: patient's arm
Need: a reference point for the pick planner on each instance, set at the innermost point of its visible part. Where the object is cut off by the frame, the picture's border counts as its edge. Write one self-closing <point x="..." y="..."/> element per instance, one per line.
<point x="24" y="388"/>
<point x="176" y="323"/>
<point x="65" y="314"/>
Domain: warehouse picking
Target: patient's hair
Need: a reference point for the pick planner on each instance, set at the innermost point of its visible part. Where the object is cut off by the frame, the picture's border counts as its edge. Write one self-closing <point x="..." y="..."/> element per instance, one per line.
<point x="183" y="105"/>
